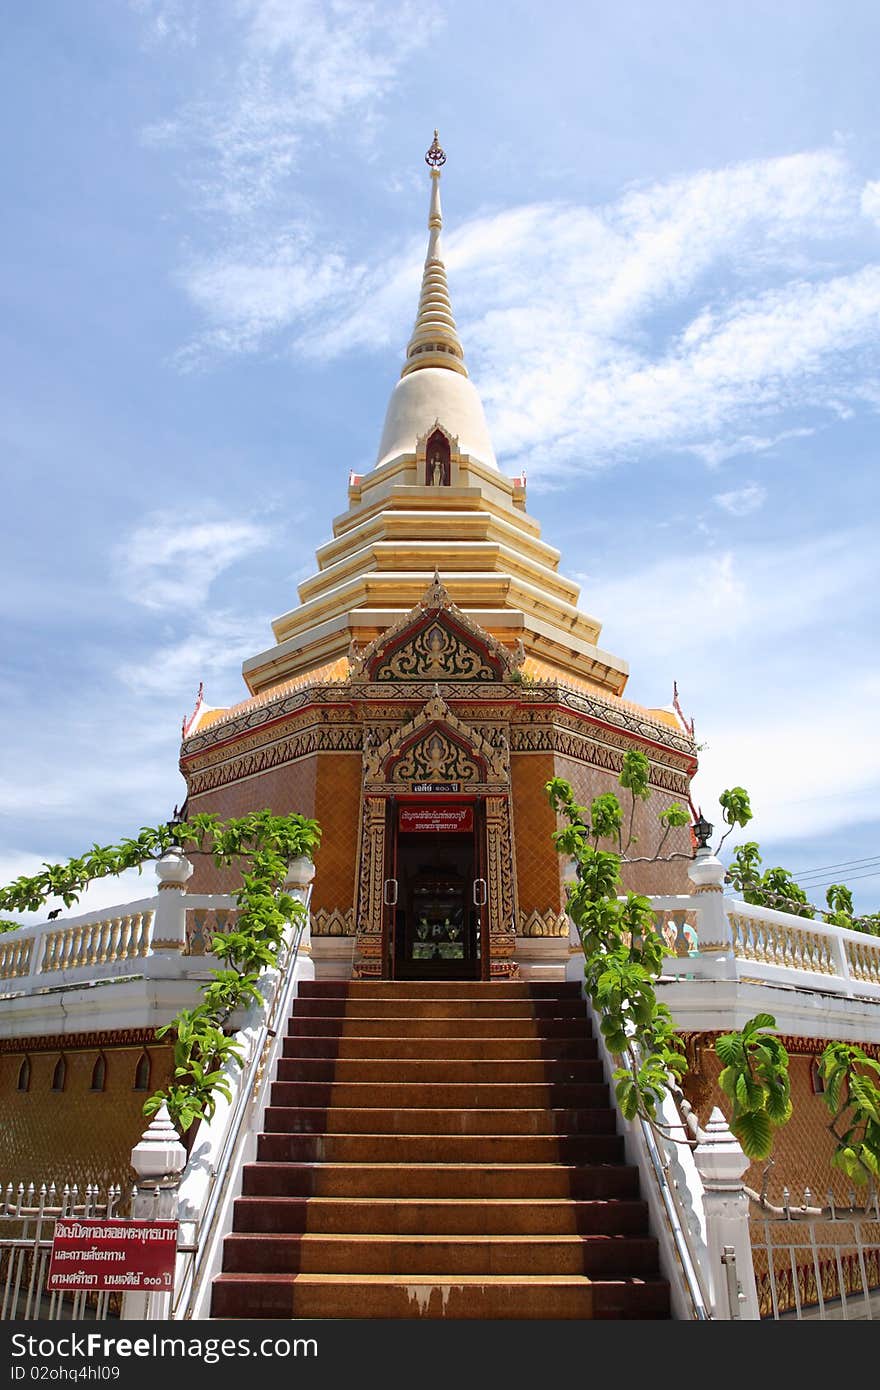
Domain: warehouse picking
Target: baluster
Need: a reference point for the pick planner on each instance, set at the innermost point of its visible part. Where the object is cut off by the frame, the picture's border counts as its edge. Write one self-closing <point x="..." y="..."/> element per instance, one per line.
<point x="146" y="932"/>
<point x="113" y="940"/>
<point x="124" y="938"/>
<point x="67" y="946"/>
<point x="50" y="952"/>
<point x="104" y="943"/>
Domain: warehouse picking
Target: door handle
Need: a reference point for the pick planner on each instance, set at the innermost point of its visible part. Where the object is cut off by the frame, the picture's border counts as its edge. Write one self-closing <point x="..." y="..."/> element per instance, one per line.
<point x="481" y="892"/>
<point x="389" y="887"/>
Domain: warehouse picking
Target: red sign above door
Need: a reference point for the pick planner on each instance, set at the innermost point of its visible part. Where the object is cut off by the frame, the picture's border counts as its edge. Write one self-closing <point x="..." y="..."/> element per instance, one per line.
<point x="437" y="819"/>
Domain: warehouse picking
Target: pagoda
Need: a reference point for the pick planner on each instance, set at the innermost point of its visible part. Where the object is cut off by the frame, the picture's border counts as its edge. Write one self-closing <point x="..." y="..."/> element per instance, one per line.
<point x="436" y="672"/>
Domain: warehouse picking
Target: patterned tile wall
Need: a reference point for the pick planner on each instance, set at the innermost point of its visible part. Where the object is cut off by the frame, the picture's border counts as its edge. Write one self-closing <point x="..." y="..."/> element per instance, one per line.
<point x="589" y="782"/>
<point x="537" y="863"/>
<point x="802" y="1149"/>
<point x="76" y="1135"/>
<point x="282" y="789"/>
<point x="337" y="808"/>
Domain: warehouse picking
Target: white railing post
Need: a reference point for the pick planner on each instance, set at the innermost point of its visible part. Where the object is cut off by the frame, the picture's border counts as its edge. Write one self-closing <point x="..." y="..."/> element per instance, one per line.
<point x="721" y="1164"/>
<point x="168" y="941"/>
<point x="158" y="1160"/>
<point x="706" y="873"/>
<point x="300" y="873"/>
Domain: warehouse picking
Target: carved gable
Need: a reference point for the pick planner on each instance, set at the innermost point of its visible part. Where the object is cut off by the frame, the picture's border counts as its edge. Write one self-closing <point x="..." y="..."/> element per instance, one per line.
<point x="436" y="746"/>
<point x="436" y="641"/>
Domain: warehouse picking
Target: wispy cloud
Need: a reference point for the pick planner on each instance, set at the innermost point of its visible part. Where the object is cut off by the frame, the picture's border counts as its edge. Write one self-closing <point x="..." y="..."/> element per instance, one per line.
<point x="677" y="316"/>
<point x="871" y="200"/>
<point x="174" y="22"/>
<point x="729" y="624"/>
<point x="215" y="648"/>
<point x="718" y="451"/>
<point x="741" y="501"/>
<point x="171" y="560"/>
<point x="302" y="67"/>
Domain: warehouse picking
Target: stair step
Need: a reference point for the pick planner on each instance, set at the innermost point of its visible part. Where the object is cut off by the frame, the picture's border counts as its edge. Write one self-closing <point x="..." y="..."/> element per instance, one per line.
<point x="434" y="1148"/>
<point x="429" y="1071"/>
<point x="436" y="1006"/>
<point x="347" y="1047"/>
<point x="348" y="1119"/>
<point x="424" y="1216"/>
<point x="439" y="1149"/>
<point x="447" y="989"/>
<point x="382" y="1026"/>
<point x="480" y="1095"/>
<point x="371" y="1254"/>
<point x="489" y="1181"/>
<point x="435" y="1295"/>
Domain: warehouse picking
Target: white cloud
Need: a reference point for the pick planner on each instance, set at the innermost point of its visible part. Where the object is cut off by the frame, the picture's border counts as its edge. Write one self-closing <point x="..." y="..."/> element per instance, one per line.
<point x="741" y="501"/>
<point x="103" y="892"/>
<point x="215" y="649"/>
<point x="729" y="626"/>
<point x="717" y="451"/>
<point x="677" y="316"/>
<point x="173" y="22"/>
<point x="302" y="67"/>
<point x="871" y="200"/>
<point x="171" y="560"/>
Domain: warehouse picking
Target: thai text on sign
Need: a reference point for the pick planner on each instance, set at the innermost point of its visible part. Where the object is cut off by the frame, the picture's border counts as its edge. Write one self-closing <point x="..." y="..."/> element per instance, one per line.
<point x="113" y="1254"/>
<point x="437" y="819"/>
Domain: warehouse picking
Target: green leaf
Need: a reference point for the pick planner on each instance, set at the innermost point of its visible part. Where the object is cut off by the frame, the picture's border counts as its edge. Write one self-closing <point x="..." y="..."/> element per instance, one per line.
<point x="730" y="1050"/>
<point x="759" y="1021"/>
<point x="754" y="1132"/>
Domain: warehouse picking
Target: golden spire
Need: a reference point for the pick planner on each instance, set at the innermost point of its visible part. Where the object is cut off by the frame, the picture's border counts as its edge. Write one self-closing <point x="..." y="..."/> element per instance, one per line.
<point x="434" y="341"/>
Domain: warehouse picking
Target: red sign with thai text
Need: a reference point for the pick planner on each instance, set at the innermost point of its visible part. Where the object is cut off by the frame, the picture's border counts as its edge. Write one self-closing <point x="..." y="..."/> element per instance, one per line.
<point x="112" y="1254"/>
<point x="438" y="819"/>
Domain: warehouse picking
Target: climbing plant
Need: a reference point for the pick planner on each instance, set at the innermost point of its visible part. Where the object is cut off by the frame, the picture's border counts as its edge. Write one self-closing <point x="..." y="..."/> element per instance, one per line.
<point x="777" y="888"/>
<point x="262" y="845"/>
<point x="755" y="1078"/>
<point x="623" y="951"/>
<point x="853" y="1098"/>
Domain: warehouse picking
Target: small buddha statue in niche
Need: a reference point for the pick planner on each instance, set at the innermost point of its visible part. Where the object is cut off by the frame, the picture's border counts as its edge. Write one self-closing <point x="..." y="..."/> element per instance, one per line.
<point x="436" y="469"/>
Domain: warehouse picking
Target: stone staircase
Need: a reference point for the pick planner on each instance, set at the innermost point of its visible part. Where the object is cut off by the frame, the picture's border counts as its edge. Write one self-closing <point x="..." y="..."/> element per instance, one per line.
<point x="439" y="1150"/>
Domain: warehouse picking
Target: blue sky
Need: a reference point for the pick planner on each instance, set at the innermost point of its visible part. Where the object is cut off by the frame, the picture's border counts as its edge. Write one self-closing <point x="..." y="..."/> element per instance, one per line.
<point x="664" y="257"/>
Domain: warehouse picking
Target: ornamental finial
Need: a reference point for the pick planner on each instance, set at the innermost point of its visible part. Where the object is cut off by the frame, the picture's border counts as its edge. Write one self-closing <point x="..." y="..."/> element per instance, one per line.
<point x="435" y="156"/>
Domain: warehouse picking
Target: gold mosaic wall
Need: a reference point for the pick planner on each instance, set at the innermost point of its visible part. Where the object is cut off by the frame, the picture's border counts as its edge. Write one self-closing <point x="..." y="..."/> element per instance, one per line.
<point x="281" y="789"/>
<point x="337" y="808"/>
<point x="538" y="872"/>
<point x="75" y="1135"/>
<point x="589" y="782"/>
<point x="802" y="1149"/>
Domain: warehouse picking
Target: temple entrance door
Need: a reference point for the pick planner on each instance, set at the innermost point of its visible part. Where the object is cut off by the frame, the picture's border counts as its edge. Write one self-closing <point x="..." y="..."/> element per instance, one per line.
<point x="437" y="919"/>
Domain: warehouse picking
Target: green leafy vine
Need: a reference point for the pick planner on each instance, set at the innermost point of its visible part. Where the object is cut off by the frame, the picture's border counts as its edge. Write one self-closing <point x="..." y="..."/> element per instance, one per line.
<point x="264" y="845"/>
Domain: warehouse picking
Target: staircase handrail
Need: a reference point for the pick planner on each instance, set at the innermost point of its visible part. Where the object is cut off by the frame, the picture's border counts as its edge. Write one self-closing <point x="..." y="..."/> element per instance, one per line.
<point x="682" y="1250"/>
<point x="249" y="1085"/>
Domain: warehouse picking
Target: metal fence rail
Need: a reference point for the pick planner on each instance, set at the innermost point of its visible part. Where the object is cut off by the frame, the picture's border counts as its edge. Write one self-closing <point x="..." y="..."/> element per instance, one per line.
<point x="27" y="1224"/>
<point x="817" y="1262"/>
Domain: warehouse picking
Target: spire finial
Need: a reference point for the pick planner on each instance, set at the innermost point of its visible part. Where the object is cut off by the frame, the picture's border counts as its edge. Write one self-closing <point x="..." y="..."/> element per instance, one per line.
<point x="436" y="155"/>
<point x="434" y="341"/>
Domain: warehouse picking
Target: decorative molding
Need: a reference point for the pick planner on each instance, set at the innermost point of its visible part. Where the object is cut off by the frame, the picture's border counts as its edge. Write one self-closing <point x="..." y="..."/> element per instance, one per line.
<point x="796" y="1044"/>
<point x="501" y="875"/>
<point x="83" y="1042"/>
<point x="336" y="921"/>
<point x="435" y="722"/>
<point x="549" y="923"/>
<point x="529" y="701"/>
<point x="436" y="640"/>
<point x="320" y="739"/>
<point x="372" y="868"/>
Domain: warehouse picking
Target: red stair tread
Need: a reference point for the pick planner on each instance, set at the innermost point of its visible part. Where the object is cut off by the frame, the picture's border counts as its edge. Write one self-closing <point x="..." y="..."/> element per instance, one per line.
<point x="439" y="1149"/>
